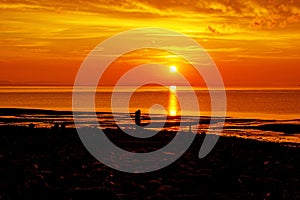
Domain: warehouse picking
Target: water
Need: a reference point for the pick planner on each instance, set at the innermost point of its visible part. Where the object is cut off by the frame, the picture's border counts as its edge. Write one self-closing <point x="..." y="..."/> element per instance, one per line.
<point x="241" y="103"/>
<point x="262" y="106"/>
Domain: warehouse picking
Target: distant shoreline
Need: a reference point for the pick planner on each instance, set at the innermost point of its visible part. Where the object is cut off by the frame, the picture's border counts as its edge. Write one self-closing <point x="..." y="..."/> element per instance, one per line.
<point x="17" y="110"/>
<point x="296" y="87"/>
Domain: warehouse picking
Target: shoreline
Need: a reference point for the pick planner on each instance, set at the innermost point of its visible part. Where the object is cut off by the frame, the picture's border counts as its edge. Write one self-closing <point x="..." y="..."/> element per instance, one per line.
<point x="282" y="131"/>
<point x="24" y="110"/>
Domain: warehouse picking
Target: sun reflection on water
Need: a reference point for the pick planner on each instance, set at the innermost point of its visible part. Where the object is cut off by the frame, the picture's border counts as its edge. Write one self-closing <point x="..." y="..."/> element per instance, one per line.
<point x="173" y="104"/>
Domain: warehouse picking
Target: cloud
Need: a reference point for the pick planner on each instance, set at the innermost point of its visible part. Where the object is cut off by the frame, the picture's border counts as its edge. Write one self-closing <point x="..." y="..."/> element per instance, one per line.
<point x="227" y="50"/>
<point x="271" y="15"/>
<point x="202" y="14"/>
<point x="77" y="24"/>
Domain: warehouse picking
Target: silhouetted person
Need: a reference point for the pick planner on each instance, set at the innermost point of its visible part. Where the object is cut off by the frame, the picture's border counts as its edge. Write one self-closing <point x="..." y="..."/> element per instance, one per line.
<point x="137" y="117"/>
<point x="63" y="126"/>
<point x="55" y="126"/>
<point x="31" y="125"/>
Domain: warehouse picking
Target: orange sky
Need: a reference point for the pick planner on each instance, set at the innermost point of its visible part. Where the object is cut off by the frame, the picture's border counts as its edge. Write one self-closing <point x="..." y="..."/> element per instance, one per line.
<point x="253" y="43"/>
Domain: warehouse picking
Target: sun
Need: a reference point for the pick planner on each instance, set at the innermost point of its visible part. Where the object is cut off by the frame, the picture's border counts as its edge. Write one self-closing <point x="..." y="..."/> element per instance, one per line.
<point x="173" y="68"/>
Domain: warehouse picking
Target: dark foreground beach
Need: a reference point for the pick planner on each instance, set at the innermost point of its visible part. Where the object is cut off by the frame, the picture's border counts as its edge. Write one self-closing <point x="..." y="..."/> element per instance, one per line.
<point x="52" y="163"/>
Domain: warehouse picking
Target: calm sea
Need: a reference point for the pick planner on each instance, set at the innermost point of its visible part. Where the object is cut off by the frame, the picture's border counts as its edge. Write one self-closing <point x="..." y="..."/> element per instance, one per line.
<point x="241" y="103"/>
<point x="252" y="113"/>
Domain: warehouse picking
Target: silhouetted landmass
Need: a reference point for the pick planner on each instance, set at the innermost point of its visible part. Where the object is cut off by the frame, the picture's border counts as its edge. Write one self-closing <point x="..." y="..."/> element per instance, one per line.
<point x="44" y="163"/>
<point x="284" y="128"/>
<point x="19" y="111"/>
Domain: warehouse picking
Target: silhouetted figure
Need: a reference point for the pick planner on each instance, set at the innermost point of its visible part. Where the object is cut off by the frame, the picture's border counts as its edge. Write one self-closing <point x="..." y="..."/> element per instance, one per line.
<point x="137" y="117"/>
<point x="55" y="126"/>
<point x="31" y="125"/>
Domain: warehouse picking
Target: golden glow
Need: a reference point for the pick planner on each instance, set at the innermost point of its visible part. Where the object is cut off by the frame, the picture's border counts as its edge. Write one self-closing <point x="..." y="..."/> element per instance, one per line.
<point x="173" y="104"/>
<point x="173" y="112"/>
<point x="173" y="69"/>
<point x="173" y="88"/>
<point x="44" y="42"/>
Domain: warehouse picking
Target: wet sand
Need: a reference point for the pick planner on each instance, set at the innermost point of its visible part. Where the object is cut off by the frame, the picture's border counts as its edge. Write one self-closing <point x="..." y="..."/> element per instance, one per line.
<point x="44" y="163"/>
<point x="282" y="131"/>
